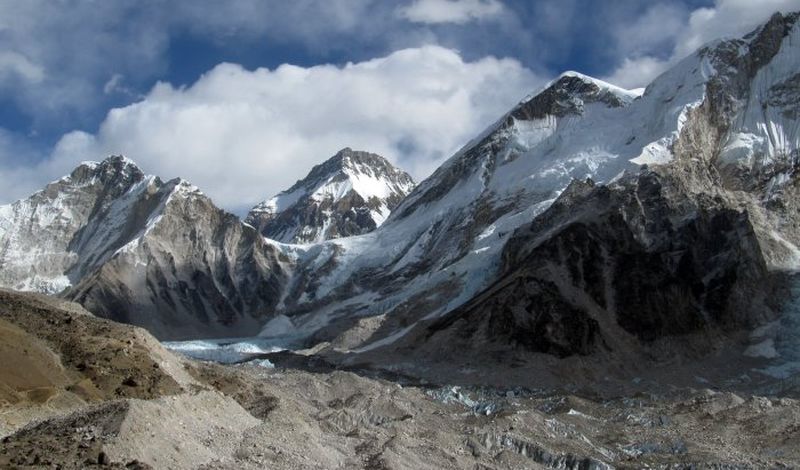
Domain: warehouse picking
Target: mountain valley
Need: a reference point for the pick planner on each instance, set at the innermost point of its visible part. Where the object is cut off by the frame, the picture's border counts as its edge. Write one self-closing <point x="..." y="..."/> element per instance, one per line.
<point x="603" y="278"/>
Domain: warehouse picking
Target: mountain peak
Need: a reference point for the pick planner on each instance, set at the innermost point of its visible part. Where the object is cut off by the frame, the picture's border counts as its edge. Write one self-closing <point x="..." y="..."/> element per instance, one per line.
<point x="113" y="169"/>
<point x="112" y="163"/>
<point x="348" y="194"/>
<point x="349" y="162"/>
<point x="349" y="158"/>
<point x="569" y="93"/>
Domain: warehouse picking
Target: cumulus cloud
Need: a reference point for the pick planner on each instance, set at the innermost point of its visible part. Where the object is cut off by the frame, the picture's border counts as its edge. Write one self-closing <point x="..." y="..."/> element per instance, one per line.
<point x="18" y="176"/>
<point x="653" y="30"/>
<point x="660" y="24"/>
<point x="85" y="43"/>
<point x="450" y="11"/>
<point x="243" y="135"/>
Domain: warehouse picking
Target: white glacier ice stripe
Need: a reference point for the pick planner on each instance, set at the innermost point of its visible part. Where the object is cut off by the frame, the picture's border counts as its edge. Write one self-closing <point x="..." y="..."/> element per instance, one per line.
<point x="765" y="349"/>
<point x="225" y="351"/>
<point x="385" y="341"/>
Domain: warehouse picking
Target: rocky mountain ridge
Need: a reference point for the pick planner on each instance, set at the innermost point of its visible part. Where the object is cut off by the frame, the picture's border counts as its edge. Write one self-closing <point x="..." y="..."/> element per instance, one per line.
<point x="133" y="248"/>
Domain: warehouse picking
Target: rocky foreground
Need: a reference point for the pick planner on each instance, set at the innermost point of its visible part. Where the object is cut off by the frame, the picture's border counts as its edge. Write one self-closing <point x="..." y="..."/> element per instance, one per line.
<point x="82" y="392"/>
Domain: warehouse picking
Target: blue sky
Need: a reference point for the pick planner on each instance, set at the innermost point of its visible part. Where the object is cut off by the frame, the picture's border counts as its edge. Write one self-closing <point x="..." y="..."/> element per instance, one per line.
<point x="200" y="89"/>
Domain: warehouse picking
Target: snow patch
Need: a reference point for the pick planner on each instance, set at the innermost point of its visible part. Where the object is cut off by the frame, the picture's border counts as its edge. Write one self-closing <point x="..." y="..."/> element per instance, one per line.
<point x="765" y="349"/>
<point x="281" y="325"/>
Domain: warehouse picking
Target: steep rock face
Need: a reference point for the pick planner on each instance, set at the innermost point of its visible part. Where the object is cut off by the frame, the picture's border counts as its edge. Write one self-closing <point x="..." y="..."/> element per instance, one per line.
<point x="569" y="95"/>
<point x="133" y="248"/>
<point x="697" y="243"/>
<point x="604" y="265"/>
<point x="350" y="194"/>
<point x="448" y="233"/>
<point x="196" y="272"/>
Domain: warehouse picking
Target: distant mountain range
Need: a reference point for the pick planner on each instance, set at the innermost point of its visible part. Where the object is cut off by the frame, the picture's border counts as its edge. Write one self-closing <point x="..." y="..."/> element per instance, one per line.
<point x="588" y="219"/>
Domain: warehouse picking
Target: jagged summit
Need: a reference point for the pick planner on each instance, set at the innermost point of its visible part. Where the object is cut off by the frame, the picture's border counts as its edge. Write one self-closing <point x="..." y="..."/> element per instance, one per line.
<point x="349" y="194"/>
<point x="56" y="235"/>
<point x="568" y="93"/>
<point x="115" y="173"/>
<point x="349" y="161"/>
<point x="109" y="165"/>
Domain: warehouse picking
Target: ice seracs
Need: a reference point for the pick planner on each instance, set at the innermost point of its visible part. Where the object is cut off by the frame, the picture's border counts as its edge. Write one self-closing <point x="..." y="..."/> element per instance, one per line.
<point x="351" y="193"/>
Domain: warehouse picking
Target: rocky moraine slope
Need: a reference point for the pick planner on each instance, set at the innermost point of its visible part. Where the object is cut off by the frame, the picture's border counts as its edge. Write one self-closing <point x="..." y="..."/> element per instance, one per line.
<point x="81" y="392"/>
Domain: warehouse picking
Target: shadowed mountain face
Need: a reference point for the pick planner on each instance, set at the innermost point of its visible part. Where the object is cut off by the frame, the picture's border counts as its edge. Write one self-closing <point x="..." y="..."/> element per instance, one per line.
<point x="607" y="267"/>
<point x="349" y="194"/>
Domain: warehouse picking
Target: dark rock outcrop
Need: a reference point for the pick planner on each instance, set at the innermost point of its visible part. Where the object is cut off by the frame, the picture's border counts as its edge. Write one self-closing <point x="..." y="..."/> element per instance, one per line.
<point x="630" y="257"/>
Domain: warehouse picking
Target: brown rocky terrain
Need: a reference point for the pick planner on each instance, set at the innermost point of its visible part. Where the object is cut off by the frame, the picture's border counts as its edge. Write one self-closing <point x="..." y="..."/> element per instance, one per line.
<point x="55" y="356"/>
<point x="82" y="392"/>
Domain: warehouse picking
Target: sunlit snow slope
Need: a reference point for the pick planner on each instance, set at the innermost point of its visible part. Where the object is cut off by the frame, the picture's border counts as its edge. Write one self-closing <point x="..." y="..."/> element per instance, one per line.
<point x="442" y="244"/>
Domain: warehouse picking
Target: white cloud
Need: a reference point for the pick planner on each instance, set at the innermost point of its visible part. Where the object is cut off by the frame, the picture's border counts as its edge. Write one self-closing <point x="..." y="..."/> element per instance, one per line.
<point x="450" y="11"/>
<point x="727" y="18"/>
<point x="638" y="72"/>
<point x="244" y="135"/>
<point x="15" y="64"/>
<point x="657" y="27"/>
<point x="84" y="43"/>
<point x="18" y="175"/>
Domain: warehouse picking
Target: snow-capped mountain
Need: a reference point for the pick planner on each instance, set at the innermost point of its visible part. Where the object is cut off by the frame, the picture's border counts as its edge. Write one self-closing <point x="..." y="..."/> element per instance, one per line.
<point x="44" y="239"/>
<point x="690" y="200"/>
<point x="135" y="249"/>
<point x="443" y="242"/>
<point x="723" y="118"/>
<point x="351" y="193"/>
